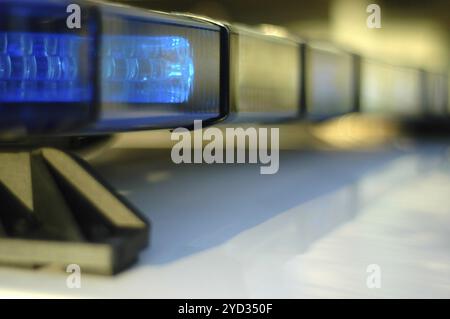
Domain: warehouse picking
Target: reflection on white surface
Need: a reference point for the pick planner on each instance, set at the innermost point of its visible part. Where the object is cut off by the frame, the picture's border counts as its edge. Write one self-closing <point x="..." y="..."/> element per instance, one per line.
<point x="309" y="231"/>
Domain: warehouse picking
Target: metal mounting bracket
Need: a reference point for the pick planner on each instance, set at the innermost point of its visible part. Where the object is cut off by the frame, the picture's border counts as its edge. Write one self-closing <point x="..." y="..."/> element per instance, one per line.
<point x="54" y="210"/>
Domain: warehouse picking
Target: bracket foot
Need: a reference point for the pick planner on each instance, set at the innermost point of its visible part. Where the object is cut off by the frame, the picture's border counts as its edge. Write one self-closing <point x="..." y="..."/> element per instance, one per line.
<point x="55" y="211"/>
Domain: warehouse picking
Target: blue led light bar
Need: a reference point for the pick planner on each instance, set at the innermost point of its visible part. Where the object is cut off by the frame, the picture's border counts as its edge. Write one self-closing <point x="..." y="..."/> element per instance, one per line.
<point x="47" y="71"/>
<point x="139" y="69"/>
<point x="123" y="69"/>
<point x="44" y="67"/>
<point x="41" y="67"/>
<point x="158" y="70"/>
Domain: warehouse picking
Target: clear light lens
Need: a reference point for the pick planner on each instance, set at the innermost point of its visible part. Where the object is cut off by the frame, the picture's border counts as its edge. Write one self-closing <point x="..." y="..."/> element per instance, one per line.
<point x="390" y="90"/>
<point x="266" y="75"/>
<point x="329" y="82"/>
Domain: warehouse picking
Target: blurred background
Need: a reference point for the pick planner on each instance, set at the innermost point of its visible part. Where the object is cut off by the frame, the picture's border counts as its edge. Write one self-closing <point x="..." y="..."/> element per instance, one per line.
<point x="413" y="33"/>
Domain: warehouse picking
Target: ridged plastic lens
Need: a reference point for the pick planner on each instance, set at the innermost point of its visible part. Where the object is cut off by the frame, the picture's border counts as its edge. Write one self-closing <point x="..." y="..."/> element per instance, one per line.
<point x="138" y="69"/>
<point x="40" y="67"/>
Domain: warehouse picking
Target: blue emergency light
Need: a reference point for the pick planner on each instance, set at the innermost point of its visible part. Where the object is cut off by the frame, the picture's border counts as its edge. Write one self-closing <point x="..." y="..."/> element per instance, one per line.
<point x="41" y="67"/>
<point x="123" y="69"/>
<point x="147" y="69"/>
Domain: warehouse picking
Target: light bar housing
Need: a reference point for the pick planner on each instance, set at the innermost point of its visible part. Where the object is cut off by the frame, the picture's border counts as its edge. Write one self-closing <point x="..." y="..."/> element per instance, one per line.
<point x="330" y="86"/>
<point x="124" y="69"/>
<point x="265" y="75"/>
<point x="134" y="69"/>
<point x="47" y="72"/>
<point x="435" y="86"/>
<point x="171" y="70"/>
<point x="389" y="90"/>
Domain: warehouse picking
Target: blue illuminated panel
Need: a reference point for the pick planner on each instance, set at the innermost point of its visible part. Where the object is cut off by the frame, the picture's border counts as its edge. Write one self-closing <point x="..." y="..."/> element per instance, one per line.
<point x="47" y="71"/>
<point x="124" y="69"/>
<point x="44" y="67"/>
<point x="140" y="69"/>
<point x="157" y="72"/>
<point x="41" y="67"/>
